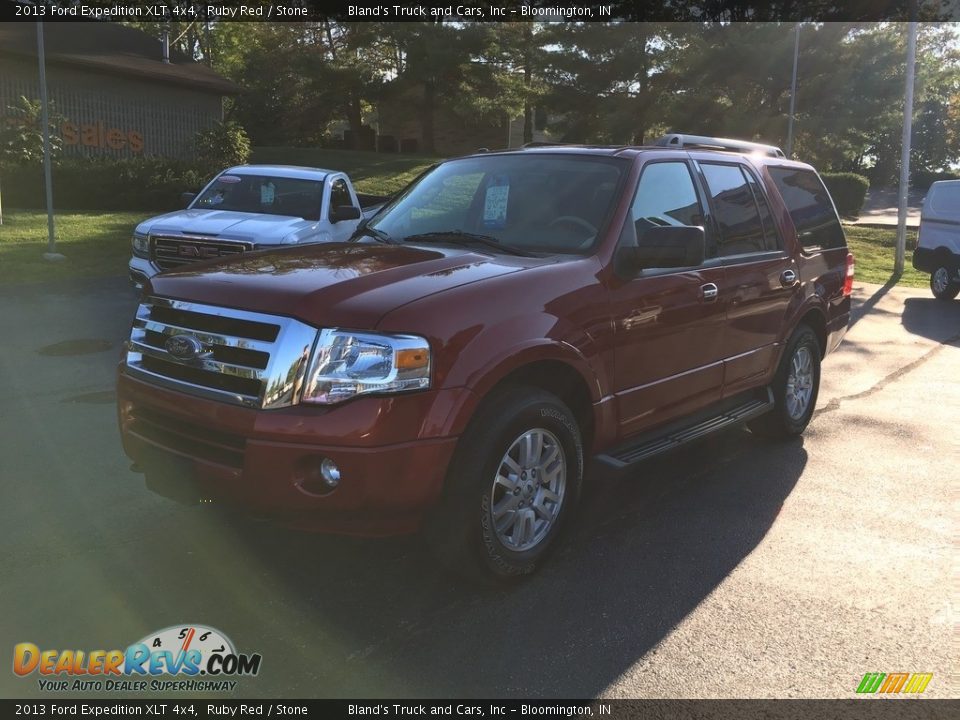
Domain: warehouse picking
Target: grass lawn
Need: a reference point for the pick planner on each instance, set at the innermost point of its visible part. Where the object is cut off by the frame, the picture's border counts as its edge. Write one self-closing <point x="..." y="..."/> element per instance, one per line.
<point x="95" y="245"/>
<point x="874" y="250"/>
<point x="374" y="173"/>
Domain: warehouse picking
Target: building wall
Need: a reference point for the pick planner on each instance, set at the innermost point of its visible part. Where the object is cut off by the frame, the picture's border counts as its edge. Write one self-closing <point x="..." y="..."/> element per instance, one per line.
<point x="164" y="117"/>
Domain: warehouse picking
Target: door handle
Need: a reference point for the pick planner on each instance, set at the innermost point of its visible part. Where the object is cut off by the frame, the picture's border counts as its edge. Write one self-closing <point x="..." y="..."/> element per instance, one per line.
<point x="708" y="292"/>
<point x="788" y="278"/>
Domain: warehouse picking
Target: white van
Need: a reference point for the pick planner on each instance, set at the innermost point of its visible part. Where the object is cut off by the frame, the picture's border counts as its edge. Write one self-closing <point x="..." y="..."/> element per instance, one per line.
<point x="938" y="244"/>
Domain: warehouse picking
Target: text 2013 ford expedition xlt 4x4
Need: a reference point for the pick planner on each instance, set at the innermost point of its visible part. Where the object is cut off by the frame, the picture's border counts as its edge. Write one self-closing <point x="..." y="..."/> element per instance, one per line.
<point x="505" y="317"/>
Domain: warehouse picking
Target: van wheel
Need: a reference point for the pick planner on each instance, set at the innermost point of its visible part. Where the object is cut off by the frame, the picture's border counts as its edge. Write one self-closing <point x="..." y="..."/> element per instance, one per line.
<point x="795" y="388"/>
<point x="942" y="285"/>
<point x="514" y="481"/>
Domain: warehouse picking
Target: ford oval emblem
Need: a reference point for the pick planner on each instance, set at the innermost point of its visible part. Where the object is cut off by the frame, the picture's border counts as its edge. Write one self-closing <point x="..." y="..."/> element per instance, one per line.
<point x="183" y="347"/>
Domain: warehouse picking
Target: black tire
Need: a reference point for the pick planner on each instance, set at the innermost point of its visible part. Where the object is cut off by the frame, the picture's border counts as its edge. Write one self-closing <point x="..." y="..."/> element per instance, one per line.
<point x="461" y="531"/>
<point x="940" y="290"/>
<point x="780" y="423"/>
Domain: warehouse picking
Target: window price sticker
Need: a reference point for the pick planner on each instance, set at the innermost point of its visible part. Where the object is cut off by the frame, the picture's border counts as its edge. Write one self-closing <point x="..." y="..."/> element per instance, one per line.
<point x="495" y="203"/>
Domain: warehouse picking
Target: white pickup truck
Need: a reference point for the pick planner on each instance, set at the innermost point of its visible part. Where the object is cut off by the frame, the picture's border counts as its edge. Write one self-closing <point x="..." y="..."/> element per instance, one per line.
<point x="251" y="207"/>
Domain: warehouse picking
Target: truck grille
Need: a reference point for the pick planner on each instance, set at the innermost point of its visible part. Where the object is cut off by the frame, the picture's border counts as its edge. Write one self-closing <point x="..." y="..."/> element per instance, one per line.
<point x="219" y="353"/>
<point x="170" y="251"/>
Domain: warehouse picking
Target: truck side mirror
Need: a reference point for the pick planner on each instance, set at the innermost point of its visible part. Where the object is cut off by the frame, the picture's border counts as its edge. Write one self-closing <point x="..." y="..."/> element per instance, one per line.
<point x="670" y="247"/>
<point x="344" y="212"/>
<point x="187" y="198"/>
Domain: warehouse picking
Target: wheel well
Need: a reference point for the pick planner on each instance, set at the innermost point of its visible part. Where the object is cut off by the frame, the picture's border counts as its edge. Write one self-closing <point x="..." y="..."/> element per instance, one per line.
<point x="562" y="380"/>
<point x="944" y="255"/>
<point x="815" y="321"/>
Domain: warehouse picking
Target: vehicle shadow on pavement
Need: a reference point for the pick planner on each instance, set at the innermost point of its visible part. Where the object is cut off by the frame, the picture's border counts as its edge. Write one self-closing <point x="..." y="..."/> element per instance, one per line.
<point x="860" y="309"/>
<point x="645" y="550"/>
<point x="931" y="318"/>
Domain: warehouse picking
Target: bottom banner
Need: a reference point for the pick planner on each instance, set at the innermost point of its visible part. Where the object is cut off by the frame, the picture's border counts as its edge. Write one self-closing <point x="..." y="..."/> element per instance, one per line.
<point x="614" y="709"/>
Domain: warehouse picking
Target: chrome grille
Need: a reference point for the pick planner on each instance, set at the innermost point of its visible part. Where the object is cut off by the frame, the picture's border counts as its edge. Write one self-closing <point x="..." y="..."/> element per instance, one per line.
<point x="171" y="251"/>
<point x="245" y="358"/>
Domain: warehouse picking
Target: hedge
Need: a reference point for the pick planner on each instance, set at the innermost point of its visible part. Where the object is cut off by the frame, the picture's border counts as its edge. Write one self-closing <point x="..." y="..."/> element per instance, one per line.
<point x="848" y="191"/>
<point x="923" y="179"/>
<point x="150" y="184"/>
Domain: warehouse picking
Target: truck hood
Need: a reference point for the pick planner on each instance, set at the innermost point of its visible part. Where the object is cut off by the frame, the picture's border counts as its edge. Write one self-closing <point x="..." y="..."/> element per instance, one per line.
<point x="227" y="225"/>
<point x="350" y="285"/>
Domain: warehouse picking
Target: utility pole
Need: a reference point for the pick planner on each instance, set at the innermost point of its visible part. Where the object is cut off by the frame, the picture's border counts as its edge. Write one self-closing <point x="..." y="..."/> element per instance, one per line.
<point x="905" y="145"/>
<point x="51" y="253"/>
<point x="793" y="92"/>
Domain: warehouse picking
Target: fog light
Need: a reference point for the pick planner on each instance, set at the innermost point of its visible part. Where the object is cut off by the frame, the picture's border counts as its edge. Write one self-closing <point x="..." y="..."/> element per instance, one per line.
<point x="330" y="472"/>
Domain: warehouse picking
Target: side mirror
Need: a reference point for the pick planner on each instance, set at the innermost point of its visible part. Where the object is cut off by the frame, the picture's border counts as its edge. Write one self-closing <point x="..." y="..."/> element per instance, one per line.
<point x="344" y="212"/>
<point x="669" y="247"/>
<point x="187" y="198"/>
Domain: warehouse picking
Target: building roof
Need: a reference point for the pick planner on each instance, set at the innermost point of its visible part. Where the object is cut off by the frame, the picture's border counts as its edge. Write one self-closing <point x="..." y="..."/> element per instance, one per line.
<point x="111" y="48"/>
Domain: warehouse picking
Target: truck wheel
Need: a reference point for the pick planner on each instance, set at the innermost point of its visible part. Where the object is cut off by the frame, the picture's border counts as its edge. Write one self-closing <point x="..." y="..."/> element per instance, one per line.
<point x="795" y="388"/>
<point x="513" y="483"/>
<point x="941" y="284"/>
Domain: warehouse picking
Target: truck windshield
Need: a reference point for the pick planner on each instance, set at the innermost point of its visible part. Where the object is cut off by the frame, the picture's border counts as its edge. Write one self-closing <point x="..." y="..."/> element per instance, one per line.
<point x="266" y="194"/>
<point x="549" y="203"/>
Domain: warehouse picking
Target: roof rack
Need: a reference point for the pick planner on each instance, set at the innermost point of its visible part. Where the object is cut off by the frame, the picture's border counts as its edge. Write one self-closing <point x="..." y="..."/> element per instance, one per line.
<point x="679" y="140"/>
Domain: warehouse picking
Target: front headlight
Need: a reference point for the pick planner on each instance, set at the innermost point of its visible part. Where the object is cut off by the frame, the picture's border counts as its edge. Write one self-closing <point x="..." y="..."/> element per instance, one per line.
<point x="141" y="245"/>
<point x="346" y="364"/>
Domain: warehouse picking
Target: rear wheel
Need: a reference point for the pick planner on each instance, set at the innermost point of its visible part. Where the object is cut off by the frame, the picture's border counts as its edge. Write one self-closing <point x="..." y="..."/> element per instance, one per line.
<point x="795" y="388"/>
<point x="511" y="487"/>
<point x="942" y="283"/>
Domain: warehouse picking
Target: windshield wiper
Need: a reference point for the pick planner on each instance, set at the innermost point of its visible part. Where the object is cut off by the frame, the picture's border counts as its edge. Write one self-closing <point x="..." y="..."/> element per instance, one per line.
<point x="373" y="232"/>
<point x="459" y="237"/>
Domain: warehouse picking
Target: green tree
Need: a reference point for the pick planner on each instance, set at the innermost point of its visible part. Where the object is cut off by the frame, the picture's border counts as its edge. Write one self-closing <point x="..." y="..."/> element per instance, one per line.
<point x="21" y="138"/>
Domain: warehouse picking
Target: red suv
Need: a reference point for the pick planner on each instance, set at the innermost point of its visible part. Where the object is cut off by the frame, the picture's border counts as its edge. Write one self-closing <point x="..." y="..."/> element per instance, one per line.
<point x="506" y="316"/>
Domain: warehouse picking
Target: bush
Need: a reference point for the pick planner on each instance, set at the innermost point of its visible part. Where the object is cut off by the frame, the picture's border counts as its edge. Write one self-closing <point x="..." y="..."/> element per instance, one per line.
<point x="146" y="183"/>
<point x="222" y="145"/>
<point x="848" y="191"/>
<point x="923" y="179"/>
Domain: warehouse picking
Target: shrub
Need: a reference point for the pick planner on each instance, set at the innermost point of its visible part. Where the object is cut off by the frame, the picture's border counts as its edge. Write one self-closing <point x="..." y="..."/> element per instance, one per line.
<point x="222" y="145"/>
<point x="923" y="179"/>
<point x="146" y="183"/>
<point x="848" y="191"/>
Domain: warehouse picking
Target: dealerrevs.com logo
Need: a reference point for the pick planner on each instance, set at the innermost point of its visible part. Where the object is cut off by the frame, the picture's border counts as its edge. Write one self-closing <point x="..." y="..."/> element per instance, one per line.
<point x="200" y="657"/>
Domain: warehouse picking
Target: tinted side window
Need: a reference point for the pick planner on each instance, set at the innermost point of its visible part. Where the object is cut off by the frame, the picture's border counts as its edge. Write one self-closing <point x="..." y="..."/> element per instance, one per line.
<point x="665" y="196"/>
<point x="770" y="235"/>
<point x="741" y="229"/>
<point x="340" y="194"/>
<point x="810" y="207"/>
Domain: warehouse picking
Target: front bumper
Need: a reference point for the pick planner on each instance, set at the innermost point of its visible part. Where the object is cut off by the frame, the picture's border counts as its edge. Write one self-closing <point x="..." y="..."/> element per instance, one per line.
<point x="267" y="461"/>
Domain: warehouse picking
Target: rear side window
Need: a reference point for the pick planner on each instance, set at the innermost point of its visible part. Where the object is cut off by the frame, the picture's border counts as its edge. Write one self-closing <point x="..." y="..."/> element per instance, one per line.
<point x="735" y="206"/>
<point x="810" y="207"/>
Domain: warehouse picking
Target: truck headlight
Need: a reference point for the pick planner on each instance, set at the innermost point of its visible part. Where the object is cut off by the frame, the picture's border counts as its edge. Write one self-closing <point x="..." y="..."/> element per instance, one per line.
<point x="346" y="364"/>
<point x="141" y="245"/>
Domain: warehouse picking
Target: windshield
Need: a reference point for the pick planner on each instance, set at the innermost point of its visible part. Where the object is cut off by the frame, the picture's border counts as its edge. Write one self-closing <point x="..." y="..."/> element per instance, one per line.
<point x="536" y="203"/>
<point x="265" y="194"/>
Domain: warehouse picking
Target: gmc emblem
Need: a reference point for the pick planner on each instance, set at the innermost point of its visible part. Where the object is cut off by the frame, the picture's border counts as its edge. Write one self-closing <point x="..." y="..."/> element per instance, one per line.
<point x="194" y="251"/>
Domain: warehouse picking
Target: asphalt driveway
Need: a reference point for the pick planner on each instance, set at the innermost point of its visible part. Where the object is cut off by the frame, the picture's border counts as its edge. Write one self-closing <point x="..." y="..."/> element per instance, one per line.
<point x="736" y="568"/>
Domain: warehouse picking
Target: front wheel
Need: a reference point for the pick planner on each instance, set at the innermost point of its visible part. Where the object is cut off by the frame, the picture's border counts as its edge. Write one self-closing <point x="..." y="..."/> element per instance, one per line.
<point x="795" y="388"/>
<point x="512" y="485"/>
<point x="941" y="284"/>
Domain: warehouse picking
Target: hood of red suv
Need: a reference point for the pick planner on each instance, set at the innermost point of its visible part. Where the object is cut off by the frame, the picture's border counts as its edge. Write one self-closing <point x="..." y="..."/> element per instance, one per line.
<point x="331" y="285"/>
